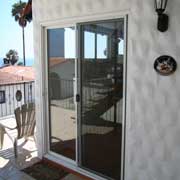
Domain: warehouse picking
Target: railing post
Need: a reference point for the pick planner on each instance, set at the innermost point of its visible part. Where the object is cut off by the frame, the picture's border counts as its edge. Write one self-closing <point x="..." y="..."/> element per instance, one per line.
<point x="24" y="93"/>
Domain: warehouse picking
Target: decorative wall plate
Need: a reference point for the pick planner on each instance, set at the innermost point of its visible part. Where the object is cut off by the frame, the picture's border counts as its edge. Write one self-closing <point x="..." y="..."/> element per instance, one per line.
<point x="18" y="95"/>
<point x="165" y="65"/>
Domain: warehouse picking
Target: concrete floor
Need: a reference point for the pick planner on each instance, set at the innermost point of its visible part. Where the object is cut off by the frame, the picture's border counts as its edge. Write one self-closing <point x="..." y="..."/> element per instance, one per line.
<point x="10" y="168"/>
<point x="71" y="177"/>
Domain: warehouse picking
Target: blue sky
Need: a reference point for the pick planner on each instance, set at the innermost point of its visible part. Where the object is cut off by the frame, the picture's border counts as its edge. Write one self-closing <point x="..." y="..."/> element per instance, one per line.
<point x="11" y="32"/>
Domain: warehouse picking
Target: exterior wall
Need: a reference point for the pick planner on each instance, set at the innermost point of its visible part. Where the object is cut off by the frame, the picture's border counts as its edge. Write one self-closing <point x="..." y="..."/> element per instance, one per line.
<point x="153" y="116"/>
<point x="11" y="103"/>
<point x="7" y="108"/>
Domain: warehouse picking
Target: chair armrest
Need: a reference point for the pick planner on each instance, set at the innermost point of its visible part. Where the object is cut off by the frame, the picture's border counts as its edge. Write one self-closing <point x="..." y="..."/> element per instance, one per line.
<point x="4" y="126"/>
<point x="2" y="131"/>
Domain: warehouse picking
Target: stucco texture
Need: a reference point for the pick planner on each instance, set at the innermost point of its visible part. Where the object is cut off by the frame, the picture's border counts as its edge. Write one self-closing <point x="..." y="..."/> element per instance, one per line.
<point x="153" y="101"/>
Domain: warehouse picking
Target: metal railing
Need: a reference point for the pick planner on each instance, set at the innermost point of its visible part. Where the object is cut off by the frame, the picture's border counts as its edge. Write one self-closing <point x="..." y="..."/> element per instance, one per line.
<point x="14" y="95"/>
<point x="62" y="93"/>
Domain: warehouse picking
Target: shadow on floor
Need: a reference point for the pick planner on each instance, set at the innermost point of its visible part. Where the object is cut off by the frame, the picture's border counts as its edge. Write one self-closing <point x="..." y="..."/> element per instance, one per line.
<point x="9" y="165"/>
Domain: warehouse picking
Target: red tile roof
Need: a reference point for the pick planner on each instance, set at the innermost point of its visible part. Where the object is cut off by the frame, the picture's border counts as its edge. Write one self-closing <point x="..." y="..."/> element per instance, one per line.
<point x="16" y="74"/>
<point x="53" y="61"/>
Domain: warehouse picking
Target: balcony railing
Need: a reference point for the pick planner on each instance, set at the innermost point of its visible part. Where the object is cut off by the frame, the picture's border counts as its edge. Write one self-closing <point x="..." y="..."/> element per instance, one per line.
<point x="14" y="95"/>
<point x="61" y="93"/>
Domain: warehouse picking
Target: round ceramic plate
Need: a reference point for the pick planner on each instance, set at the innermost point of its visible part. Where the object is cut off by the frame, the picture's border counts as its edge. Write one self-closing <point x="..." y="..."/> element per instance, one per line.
<point x="165" y="65"/>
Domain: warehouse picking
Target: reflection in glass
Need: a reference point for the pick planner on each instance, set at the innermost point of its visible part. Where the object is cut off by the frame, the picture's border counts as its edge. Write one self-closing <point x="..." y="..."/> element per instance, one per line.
<point x="89" y="45"/>
<point x="101" y="46"/>
<point x="102" y="98"/>
<point x="61" y="60"/>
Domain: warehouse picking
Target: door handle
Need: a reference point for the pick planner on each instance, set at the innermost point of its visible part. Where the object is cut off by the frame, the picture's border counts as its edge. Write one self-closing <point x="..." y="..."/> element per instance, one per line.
<point x="77" y="98"/>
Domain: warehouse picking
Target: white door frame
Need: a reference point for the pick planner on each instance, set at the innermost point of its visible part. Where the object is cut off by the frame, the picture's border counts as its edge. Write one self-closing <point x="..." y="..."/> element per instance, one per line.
<point x="72" y="22"/>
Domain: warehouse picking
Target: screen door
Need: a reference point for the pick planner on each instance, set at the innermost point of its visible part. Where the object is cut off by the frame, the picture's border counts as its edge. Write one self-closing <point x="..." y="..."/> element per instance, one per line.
<point x="100" y="107"/>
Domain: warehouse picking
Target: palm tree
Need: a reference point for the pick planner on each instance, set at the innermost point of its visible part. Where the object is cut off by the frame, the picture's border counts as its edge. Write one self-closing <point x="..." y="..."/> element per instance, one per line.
<point x="17" y="13"/>
<point x="11" y="57"/>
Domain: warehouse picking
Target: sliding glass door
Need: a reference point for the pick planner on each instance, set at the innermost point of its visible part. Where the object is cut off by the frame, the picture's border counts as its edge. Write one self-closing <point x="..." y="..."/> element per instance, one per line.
<point x="101" y="62"/>
<point x="61" y="83"/>
<point x="95" y="131"/>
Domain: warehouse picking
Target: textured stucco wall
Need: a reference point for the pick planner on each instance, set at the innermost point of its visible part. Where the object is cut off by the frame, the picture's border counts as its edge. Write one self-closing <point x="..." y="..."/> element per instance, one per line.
<point x="153" y="116"/>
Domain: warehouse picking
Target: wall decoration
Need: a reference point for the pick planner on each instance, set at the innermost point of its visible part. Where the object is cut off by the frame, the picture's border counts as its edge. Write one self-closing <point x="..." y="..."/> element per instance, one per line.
<point x="165" y="65"/>
<point x="18" y="95"/>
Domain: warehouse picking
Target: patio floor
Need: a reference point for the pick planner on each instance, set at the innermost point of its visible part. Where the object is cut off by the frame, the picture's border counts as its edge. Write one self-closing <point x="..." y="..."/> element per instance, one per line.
<point x="10" y="168"/>
<point x="27" y="155"/>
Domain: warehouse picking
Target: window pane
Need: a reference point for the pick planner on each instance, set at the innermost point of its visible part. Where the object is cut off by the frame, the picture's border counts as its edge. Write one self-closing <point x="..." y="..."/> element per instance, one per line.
<point x="69" y="43"/>
<point x="101" y="46"/>
<point x="61" y="60"/>
<point x="101" y="106"/>
<point x="121" y="47"/>
<point x="2" y="97"/>
<point x="89" y="40"/>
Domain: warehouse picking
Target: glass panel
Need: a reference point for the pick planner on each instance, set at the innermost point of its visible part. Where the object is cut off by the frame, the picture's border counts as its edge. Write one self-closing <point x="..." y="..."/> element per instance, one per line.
<point x="89" y="45"/>
<point x="121" y="47"/>
<point x="61" y="60"/>
<point x="102" y="98"/>
<point x="101" y="46"/>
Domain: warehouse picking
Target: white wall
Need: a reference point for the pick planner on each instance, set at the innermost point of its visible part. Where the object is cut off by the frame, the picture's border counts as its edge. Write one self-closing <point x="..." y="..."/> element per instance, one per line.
<point x="153" y="116"/>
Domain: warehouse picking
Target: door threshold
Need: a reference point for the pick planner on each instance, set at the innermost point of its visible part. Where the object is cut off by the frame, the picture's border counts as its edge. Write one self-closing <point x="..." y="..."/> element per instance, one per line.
<point x="71" y="168"/>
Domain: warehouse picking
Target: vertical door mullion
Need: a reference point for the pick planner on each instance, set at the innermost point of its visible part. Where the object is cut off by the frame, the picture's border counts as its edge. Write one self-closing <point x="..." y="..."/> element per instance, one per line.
<point x="95" y="45"/>
<point x="80" y="51"/>
<point x="125" y="97"/>
<point x="76" y="84"/>
<point x="46" y="93"/>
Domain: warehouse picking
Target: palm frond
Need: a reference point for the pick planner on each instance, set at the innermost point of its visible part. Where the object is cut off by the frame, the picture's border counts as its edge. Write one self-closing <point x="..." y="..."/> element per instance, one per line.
<point x="17" y="8"/>
<point x="16" y="17"/>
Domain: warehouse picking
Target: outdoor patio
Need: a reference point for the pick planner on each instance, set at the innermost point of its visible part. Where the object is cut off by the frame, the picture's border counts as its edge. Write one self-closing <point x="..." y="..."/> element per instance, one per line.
<point x="27" y="155"/>
<point x="10" y="168"/>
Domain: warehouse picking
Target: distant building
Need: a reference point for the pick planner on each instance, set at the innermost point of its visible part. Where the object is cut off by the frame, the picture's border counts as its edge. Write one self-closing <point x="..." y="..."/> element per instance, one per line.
<point x="16" y="87"/>
<point x="61" y="75"/>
